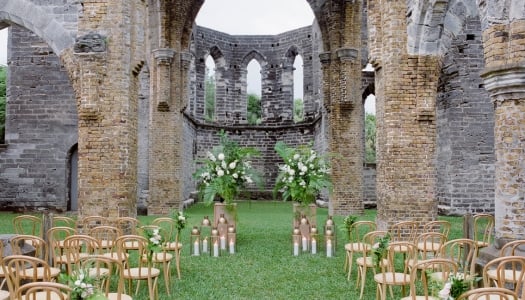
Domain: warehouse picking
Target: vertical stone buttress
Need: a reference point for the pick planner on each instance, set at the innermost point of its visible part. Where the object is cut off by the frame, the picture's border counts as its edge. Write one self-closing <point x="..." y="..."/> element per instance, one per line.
<point x="346" y="114"/>
<point x="504" y="76"/>
<point x="165" y="188"/>
<point x="107" y="108"/>
<point x="406" y="89"/>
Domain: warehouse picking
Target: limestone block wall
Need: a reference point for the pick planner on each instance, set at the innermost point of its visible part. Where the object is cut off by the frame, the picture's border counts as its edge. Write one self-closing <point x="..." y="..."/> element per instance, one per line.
<point x="465" y="116"/>
<point x="41" y="126"/>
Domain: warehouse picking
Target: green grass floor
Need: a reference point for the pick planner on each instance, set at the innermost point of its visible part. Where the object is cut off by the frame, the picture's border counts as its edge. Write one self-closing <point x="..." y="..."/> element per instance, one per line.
<point x="263" y="267"/>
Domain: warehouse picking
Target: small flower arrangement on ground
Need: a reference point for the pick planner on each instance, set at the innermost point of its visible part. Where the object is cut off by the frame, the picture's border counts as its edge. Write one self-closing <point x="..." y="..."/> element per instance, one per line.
<point x="226" y="170"/>
<point x="456" y="285"/>
<point x="83" y="286"/>
<point x="303" y="175"/>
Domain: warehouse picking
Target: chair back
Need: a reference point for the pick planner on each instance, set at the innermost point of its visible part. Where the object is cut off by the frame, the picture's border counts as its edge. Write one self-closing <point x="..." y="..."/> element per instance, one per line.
<point x="488" y="293"/>
<point x="483" y="229"/>
<point x="86" y="223"/>
<point x="78" y="246"/>
<point x="463" y="252"/>
<point x="441" y="266"/>
<point x="128" y="225"/>
<point x="106" y="235"/>
<point x="100" y="266"/>
<point x="19" y="241"/>
<point x="441" y="226"/>
<point x="28" y="224"/>
<point x="167" y="227"/>
<point x="44" y="290"/>
<point x="358" y="230"/>
<point x="429" y="244"/>
<point x="510" y="273"/>
<point x="128" y="243"/>
<point x="22" y="268"/>
<point x="63" y="221"/>
<point x="511" y="248"/>
<point x="404" y="231"/>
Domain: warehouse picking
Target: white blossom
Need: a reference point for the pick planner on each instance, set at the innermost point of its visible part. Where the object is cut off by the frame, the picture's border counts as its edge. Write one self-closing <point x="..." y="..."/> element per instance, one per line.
<point x="232" y="165"/>
<point x="220" y="173"/>
<point x="296" y="156"/>
<point x="211" y="156"/>
<point x="220" y="156"/>
<point x="235" y="175"/>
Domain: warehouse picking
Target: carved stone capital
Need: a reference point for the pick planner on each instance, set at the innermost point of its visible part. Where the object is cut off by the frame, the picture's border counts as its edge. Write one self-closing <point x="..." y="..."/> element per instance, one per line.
<point x="91" y="42"/>
<point x="347" y="53"/>
<point x="185" y="58"/>
<point x="505" y="82"/>
<point x="325" y="57"/>
<point x="163" y="56"/>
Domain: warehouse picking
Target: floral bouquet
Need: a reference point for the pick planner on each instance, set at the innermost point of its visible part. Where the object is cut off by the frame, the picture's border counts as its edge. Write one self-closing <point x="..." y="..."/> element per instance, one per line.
<point x="180" y="220"/>
<point x="303" y="175"/>
<point x="83" y="286"/>
<point x="380" y="250"/>
<point x="456" y="285"/>
<point x="348" y="221"/>
<point x="226" y="170"/>
<point x="155" y="241"/>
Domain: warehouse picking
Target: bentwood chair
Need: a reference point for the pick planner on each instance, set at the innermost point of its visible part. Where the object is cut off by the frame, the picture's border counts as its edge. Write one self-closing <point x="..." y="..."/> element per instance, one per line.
<point x="396" y="271"/>
<point x="21" y="269"/>
<point x="489" y="293"/>
<point x="107" y="269"/>
<point x="171" y="239"/>
<point x="428" y="246"/>
<point x="366" y="260"/>
<point x="404" y="231"/>
<point x="78" y="246"/>
<point x="138" y="269"/>
<point x="55" y="238"/>
<point x="4" y="295"/>
<point x="28" y="224"/>
<point x="106" y="235"/>
<point x="43" y="290"/>
<point x="483" y="229"/>
<point x="63" y="221"/>
<point x="128" y="225"/>
<point x="506" y="272"/>
<point x="40" y="246"/>
<point x="356" y="243"/>
<point x="445" y="267"/>
<point x="441" y="226"/>
<point x="86" y="223"/>
<point x="463" y="252"/>
<point x="509" y="249"/>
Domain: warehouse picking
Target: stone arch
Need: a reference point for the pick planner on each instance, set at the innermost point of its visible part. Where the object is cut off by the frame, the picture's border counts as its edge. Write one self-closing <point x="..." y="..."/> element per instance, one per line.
<point x="254" y="54"/>
<point x="289" y="56"/>
<point x="33" y="17"/>
<point x="216" y="53"/>
<point x="433" y="25"/>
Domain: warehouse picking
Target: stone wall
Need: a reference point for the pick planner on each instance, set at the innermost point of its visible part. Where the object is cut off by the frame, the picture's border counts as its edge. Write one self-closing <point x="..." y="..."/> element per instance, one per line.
<point x="41" y="126"/>
<point x="465" y="117"/>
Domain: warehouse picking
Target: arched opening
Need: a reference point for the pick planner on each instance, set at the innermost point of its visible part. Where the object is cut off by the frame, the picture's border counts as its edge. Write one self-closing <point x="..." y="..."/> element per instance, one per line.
<point x="72" y="203"/>
<point x="253" y="92"/>
<point x="298" y="89"/>
<point x="370" y="129"/>
<point x="210" y="85"/>
<point x="3" y="82"/>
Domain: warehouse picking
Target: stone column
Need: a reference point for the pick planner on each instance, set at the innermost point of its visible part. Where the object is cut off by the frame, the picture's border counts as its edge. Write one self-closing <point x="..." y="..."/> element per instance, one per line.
<point x="346" y="138"/>
<point x="504" y="78"/>
<point x="163" y="183"/>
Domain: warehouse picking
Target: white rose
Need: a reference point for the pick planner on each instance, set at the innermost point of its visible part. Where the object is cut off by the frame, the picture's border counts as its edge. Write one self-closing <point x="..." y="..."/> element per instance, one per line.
<point x="182" y="218"/>
<point x="234" y="175"/>
<point x="211" y="156"/>
<point x="248" y="179"/>
<point x="232" y="165"/>
<point x="223" y="164"/>
<point x="296" y="156"/>
<point x="291" y="172"/>
<point x="220" y="156"/>
<point x="220" y="173"/>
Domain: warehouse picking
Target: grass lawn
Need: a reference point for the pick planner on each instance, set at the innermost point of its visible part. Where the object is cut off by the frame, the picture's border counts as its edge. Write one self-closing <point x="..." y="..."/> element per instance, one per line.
<point x="263" y="267"/>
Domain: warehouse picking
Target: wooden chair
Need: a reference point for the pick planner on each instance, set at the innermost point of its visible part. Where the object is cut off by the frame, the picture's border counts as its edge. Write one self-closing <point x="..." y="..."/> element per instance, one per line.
<point x="107" y="268"/>
<point x="483" y="229"/>
<point x="21" y="269"/>
<point x="463" y="252"/>
<point x="28" y="224"/>
<point x="17" y="244"/>
<point x="356" y="244"/>
<point x="4" y="295"/>
<point x="394" y="273"/>
<point x="139" y="269"/>
<point x="428" y="246"/>
<point x="128" y="225"/>
<point x="55" y="238"/>
<point x="506" y="272"/>
<point x="43" y="290"/>
<point x="63" y="221"/>
<point x="512" y="248"/>
<point x="445" y="267"/>
<point x="162" y="258"/>
<point x="171" y="239"/>
<point x="78" y="246"/>
<point x="490" y="293"/>
<point x="106" y="235"/>
<point x="366" y="260"/>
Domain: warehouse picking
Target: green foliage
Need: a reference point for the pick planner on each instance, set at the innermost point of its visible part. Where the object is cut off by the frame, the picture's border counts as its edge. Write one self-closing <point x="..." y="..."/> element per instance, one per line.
<point x="226" y="170"/>
<point x="370" y="138"/>
<point x="254" y="109"/>
<point x="298" y="110"/>
<point x="3" y="84"/>
<point x="303" y="175"/>
<point x="381" y="250"/>
<point x="209" y="90"/>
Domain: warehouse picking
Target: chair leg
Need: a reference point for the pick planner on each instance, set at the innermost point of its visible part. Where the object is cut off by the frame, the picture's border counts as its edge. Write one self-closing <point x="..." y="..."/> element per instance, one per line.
<point x="363" y="278"/>
<point x="177" y="262"/>
<point x="350" y="257"/>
